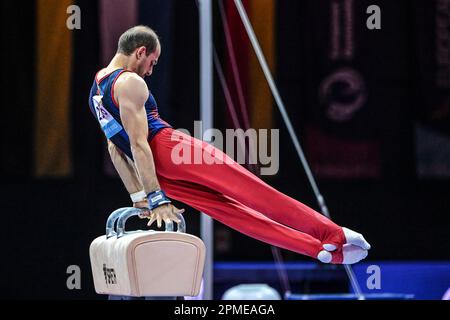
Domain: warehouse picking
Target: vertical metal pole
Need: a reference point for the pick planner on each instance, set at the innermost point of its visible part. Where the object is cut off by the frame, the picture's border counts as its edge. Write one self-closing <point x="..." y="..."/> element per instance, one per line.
<point x="207" y="116"/>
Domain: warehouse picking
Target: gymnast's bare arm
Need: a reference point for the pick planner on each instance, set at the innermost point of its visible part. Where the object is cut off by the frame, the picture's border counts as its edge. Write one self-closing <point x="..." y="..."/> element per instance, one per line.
<point x="127" y="172"/>
<point x="131" y="93"/>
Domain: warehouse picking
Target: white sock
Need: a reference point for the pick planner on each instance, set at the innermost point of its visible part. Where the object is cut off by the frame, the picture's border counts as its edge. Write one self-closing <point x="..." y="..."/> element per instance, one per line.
<point x="353" y="254"/>
<point x="356" y="239"/>
<point x="329" y="247"/>
<point x="324" y="256"/>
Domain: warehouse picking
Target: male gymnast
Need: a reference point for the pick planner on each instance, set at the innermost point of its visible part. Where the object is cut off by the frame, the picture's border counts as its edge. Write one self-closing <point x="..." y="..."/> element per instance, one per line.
<point x="141" y="146"/>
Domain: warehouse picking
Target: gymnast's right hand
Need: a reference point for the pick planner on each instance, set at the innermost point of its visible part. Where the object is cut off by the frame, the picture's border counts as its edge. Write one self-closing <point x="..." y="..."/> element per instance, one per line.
<point x="166" y="213"/>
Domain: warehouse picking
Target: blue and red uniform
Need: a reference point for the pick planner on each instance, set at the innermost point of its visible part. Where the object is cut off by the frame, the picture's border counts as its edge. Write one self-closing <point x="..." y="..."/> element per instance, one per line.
<point x="107" y="111"/>
<point x="225" y="190"/>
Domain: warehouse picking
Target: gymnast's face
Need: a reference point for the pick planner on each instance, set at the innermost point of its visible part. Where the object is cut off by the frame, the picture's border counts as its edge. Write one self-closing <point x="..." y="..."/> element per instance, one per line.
<point x="146" y="63"/>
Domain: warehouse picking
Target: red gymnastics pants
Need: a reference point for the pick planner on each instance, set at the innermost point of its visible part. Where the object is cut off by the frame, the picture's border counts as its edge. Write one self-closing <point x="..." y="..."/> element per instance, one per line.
<point x="235" y="197"/>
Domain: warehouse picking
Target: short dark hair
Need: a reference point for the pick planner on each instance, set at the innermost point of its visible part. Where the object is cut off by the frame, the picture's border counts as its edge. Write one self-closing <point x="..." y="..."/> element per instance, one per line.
<point x="136" y="37"/>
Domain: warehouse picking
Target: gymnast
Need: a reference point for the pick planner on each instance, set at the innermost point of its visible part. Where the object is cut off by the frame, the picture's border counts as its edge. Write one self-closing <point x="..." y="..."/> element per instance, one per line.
<point x="142" y="148"/>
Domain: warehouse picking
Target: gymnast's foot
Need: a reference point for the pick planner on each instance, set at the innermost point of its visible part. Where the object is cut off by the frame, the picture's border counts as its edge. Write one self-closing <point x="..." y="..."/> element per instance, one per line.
<point x="351" y="237"/>
<point x="351" y="254"/>
<point x="354" y="250"/>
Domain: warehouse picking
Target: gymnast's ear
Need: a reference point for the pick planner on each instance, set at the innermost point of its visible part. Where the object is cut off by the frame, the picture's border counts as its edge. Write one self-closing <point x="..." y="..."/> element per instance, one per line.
<point x="141" y="52"/>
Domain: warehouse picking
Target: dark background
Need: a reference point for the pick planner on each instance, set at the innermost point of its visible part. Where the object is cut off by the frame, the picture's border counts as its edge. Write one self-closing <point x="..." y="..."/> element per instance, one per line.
<point x="48" y="224"/>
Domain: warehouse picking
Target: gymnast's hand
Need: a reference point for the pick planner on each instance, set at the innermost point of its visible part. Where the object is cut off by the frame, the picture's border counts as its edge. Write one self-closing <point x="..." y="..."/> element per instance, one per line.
<point x="166" y="213"/>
